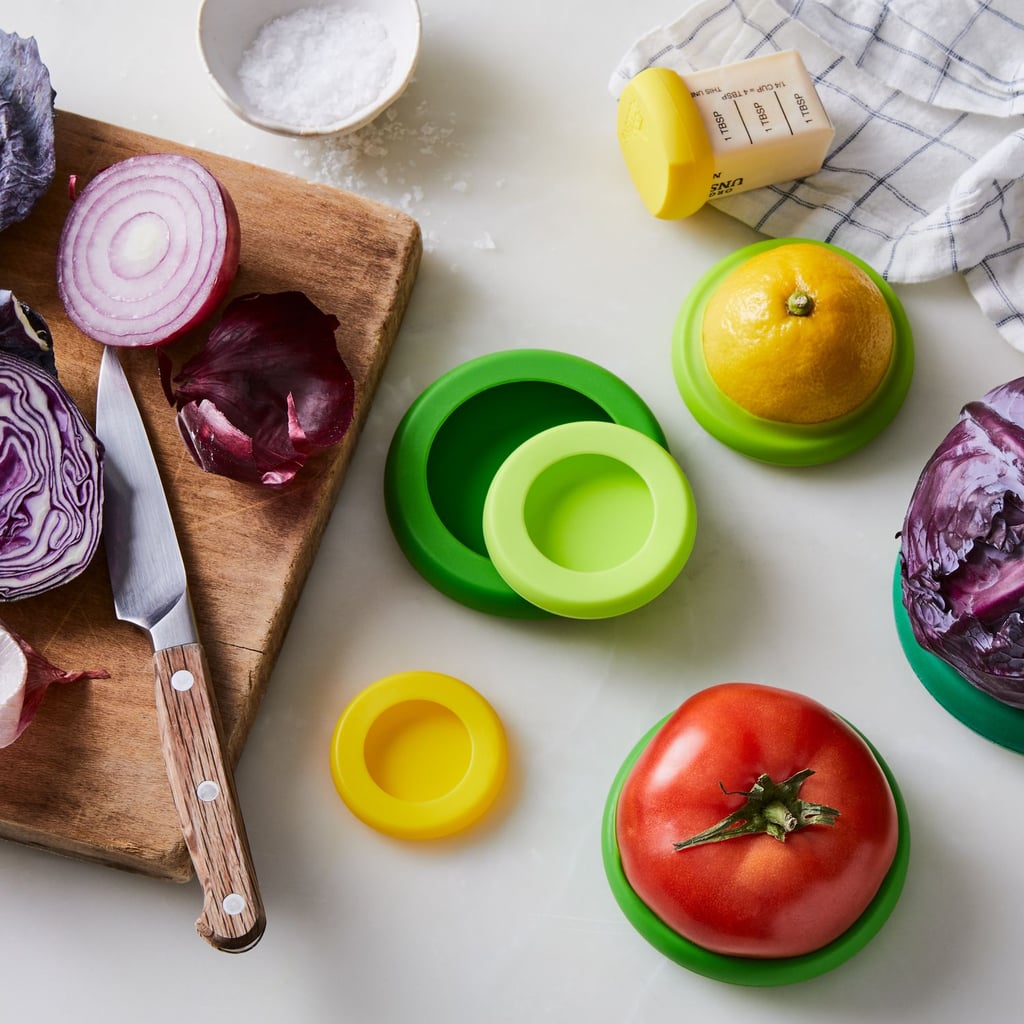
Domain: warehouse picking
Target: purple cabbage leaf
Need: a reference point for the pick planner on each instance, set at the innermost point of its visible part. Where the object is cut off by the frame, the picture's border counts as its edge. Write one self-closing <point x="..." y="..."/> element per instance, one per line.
<point x="267" y="390"/>
<point x="23" y="332"/>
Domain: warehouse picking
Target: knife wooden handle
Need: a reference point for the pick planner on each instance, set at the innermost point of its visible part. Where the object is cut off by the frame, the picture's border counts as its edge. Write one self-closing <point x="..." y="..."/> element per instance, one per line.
<point x="203" y="788"/>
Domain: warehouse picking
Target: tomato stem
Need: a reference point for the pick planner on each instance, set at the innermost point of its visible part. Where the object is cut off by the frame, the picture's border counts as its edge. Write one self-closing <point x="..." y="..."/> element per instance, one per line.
<point x="772" y="808"/>
<point x="800" y="303"/>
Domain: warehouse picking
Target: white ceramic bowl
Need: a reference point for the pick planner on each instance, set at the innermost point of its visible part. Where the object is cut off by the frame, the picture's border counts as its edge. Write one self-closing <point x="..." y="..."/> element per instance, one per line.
<point x="228" y="27"/>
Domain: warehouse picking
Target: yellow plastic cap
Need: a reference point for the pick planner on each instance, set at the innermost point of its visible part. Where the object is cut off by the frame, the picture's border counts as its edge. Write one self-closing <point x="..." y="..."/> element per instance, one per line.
<point x="665" y="145"/>
<point x="418" y="755"/>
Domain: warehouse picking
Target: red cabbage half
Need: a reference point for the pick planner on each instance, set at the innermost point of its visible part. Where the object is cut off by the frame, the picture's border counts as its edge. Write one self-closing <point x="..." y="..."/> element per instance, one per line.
<point x="962" y="547"/>
<point x="51" y="464"/>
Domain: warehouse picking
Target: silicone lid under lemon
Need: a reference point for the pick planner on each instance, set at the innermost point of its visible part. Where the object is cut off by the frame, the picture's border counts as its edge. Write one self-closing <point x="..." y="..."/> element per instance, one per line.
<point x="738" y="970"/>
<point x="454" y="437"/>
<point x="589" y="519"/>
<point x="419" y="755"/>
<point x="979" y="711"/>
<point x="665" y="144"/>
<point x="785" y="444"/>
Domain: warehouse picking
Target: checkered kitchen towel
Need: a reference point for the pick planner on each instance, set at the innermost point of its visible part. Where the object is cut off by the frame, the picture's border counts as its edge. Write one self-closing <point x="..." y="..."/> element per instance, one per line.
<point x="925" y="176"/>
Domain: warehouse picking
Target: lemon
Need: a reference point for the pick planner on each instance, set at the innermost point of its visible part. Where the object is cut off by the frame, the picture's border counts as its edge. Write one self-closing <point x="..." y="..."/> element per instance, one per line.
<point x="798" y="334"/>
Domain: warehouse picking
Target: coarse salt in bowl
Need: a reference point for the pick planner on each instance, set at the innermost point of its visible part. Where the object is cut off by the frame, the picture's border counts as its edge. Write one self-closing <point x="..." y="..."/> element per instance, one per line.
<point x="309" y="67"/>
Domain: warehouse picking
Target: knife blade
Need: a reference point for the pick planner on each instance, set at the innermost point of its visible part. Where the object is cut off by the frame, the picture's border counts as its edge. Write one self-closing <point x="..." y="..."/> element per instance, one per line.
<point x="150" y="586"/>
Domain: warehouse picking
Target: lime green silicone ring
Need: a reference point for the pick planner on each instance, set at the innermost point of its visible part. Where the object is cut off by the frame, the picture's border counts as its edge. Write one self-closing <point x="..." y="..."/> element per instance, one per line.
<point x="458" y="432"/>
<point x="746" y="970"/>
<point x="974" y="708"/>
<point x="589" y="519"/>
<point x="785" y="444"/>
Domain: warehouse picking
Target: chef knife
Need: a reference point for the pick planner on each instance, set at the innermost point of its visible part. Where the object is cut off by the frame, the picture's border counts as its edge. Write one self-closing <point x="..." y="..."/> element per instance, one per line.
<point x="150" y="590"/>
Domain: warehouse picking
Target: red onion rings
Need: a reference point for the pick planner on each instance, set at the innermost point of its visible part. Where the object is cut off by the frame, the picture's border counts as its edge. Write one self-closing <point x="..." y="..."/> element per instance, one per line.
<point x="148" y="250"/>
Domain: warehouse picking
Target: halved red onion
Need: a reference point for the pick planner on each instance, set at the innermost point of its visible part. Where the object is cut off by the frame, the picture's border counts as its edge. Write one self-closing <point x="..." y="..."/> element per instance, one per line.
<point x="51" y="482"/>
<point x="148" y="250"/>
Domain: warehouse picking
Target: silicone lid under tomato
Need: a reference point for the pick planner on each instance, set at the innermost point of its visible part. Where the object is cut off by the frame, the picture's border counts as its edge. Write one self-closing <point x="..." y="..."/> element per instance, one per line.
<point x="737" y="970"/>
<point x="589" y="519"/>
<point x="665" y="144"/>
<point x="418" y="755"/>
<point x="979" y="711"/>
<point x="785" y="444"/>
<point x="454" y="437"/>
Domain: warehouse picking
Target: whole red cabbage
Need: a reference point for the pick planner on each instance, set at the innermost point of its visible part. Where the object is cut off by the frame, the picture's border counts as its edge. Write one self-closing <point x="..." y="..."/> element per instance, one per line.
<point x="962" y="547"/>
<point x="268" y="388"/>
<point x="27" y="156"/>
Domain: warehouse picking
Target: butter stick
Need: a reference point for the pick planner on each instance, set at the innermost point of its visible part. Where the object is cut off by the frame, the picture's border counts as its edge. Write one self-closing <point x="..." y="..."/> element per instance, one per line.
<point x="707" y="134"/>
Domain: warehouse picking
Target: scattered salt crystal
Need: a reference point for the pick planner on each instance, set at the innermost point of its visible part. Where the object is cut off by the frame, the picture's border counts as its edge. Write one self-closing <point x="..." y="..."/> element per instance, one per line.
<point x="387" y="160"/>
<point x="317" y="65"/>
<point x="385" y="152"/>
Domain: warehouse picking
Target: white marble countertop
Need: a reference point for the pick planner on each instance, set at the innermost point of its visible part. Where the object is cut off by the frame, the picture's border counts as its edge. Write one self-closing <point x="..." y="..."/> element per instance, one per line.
<point x="504" y="150"/>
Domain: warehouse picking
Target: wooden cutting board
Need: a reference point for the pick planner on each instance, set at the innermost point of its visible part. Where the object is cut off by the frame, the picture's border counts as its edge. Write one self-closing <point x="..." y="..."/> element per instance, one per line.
<point x="87" y="778"/>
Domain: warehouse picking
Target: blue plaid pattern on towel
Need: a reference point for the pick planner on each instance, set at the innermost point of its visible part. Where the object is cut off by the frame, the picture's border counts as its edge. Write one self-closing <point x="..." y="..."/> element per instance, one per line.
<point x="925" y="176"/>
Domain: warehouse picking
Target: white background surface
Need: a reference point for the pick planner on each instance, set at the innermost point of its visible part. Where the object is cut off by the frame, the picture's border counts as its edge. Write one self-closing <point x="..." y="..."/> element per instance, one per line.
<point x="534" y="237"/>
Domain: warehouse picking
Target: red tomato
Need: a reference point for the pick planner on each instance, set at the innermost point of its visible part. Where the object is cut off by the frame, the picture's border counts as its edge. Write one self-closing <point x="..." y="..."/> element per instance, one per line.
<point x="755" y="895"/>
